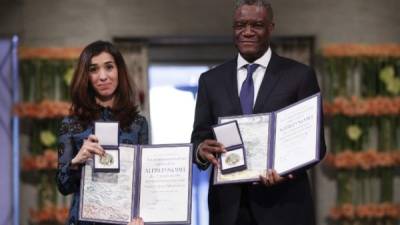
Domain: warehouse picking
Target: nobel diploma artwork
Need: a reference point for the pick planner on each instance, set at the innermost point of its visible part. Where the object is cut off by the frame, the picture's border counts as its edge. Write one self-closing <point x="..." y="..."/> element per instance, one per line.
<point x="254" y="131"/>
<point x="108" y="196"/>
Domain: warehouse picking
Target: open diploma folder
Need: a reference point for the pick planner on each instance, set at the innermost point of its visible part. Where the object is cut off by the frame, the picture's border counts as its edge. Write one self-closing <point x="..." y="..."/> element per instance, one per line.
<point x="285" y="140"/>
<point x="154" y="182"/>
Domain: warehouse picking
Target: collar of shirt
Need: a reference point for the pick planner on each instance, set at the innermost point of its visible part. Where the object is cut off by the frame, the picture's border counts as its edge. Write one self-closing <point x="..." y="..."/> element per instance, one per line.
<point x="258" y="74"/>
<point x="263" y="61"/>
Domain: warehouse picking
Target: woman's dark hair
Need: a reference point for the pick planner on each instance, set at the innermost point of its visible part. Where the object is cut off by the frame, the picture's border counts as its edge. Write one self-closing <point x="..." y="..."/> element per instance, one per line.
<point x="84" y="105"/>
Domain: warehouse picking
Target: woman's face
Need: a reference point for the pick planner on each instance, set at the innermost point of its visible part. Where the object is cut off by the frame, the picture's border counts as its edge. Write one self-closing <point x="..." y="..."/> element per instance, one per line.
<point x="103" y="74"/>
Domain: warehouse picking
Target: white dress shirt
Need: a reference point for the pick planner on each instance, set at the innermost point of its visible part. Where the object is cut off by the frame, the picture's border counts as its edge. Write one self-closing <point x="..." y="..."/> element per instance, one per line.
<point x="258" y="74"/>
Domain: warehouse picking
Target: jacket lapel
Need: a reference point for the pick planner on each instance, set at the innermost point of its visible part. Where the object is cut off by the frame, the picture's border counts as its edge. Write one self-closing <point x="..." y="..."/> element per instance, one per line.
<point x="268" y="83"/>
<point x="232" y="87"/>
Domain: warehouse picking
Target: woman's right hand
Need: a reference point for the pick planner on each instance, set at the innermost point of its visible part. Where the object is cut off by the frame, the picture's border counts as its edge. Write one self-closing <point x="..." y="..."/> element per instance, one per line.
<point x="89" y="147"/>
<point x="136" y="221"/>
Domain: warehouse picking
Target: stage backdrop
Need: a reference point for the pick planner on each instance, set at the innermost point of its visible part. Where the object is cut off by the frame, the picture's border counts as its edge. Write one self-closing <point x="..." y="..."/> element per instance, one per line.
<point x="355" y="185"/>
<point x="362" y="107"/>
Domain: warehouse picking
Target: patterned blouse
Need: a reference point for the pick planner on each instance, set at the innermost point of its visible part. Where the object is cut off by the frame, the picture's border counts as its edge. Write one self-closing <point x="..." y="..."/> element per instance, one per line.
<point x="70" y="140"/>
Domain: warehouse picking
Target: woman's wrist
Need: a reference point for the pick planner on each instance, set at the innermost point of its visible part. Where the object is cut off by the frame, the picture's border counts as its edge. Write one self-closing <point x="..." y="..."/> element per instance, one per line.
<point x="74" y="164"/>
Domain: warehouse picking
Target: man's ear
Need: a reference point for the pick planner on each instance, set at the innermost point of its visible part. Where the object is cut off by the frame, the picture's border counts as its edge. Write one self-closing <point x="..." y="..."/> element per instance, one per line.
<point x="271" y="27"/>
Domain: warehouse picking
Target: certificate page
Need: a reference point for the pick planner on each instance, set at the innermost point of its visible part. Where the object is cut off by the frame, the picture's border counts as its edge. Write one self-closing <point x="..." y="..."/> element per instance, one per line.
<point x="254" y="130"/>
<point x="165" y="184"/>
<point x="296" y="135"/>
<point x="107" y="197"/>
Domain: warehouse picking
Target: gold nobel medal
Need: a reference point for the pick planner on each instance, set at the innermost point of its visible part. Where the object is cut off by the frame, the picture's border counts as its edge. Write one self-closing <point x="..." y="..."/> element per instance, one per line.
<point x="232" y="159"/>
<point x="107" y="159"/>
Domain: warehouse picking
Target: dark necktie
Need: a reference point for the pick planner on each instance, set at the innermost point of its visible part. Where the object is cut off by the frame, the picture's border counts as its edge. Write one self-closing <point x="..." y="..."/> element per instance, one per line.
<point x="247" y="90"/>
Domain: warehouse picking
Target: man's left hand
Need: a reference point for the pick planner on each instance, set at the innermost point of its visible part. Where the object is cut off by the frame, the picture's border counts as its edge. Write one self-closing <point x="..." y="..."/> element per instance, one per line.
<point x="273" y="178"/>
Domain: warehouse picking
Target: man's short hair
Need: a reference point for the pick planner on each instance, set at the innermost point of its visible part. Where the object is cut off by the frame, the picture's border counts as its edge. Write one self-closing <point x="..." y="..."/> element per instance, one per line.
<point x="262" y="3"/>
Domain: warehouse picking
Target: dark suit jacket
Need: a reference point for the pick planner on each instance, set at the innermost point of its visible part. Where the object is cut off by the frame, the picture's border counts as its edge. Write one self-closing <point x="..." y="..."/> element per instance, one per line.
<point x="285" y="82"/>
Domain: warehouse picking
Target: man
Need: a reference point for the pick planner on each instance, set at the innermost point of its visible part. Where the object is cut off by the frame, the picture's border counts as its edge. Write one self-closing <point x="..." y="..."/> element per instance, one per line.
<point x="238" y="87"/>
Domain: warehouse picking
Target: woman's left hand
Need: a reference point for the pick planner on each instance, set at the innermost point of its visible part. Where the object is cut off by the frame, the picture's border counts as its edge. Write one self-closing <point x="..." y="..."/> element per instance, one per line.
<point x="136" y="221"/>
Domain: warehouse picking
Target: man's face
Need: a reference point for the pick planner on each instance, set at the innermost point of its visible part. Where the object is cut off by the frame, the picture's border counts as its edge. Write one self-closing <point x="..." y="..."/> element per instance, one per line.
<point x="252" y="31"/>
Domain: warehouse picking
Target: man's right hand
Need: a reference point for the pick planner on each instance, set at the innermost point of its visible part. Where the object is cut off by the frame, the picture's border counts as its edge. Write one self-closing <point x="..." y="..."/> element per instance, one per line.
<point x="208" y="149"/>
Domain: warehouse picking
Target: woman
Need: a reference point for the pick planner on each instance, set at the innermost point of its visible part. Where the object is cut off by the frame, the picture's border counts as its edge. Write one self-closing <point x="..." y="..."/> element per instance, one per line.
<point x="100" y="91"/>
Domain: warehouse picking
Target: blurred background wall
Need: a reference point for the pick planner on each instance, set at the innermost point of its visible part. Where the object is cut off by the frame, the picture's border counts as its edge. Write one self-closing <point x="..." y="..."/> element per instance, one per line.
<point x="75" y="23"/>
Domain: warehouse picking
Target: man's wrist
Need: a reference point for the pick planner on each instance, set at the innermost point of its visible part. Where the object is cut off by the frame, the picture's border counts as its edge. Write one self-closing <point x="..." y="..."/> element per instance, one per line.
<point x="199" y="157"/>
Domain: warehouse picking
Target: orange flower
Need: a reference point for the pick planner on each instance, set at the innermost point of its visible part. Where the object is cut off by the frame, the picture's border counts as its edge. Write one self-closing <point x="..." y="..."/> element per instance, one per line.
<point x="329" y="159"/>
<point x="48" y="160"/>
<point x="366" y="211"/>
<point x="354" y="106"/>
<point x="49" y="53"/>
<point x="379" y="211"/>
<point x="62" y="215"/>
<point x="367" y="160"/>
<point x="396" y="157"/>
<point x="363" y="211"/>
<point x="44" y="109"/>
<point x="392" y="211"/>
<point x="28" y="163"/>
<point x="335" y="213"/>
<point x="386" y="160"/>
<point x="348" y="211"/>
<point x="50" y="155"/>
<point x="345" y="160"/>
<point x="361" y="50"/>
<point x="49" y="213"/>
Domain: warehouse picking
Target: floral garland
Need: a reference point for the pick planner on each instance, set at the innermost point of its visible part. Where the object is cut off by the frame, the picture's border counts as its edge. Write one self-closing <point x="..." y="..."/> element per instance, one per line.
<point x="365" y="160"/>
<point x="378" y="106"/>
<point x="366" y="211"/>
<point x="49" y="53"/>
<point x="42" y="110"/>
<point x="354" y="106"/>
<point x="49" y="214"/>
<point x="359" y="50"/>
<point x="46" y="161"/>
